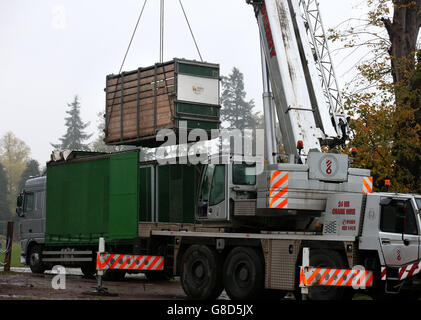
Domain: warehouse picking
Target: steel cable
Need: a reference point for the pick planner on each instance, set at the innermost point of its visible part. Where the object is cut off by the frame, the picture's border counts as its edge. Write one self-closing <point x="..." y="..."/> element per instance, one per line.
<point x="191" y="31"/>
<point x="125" y="56"/>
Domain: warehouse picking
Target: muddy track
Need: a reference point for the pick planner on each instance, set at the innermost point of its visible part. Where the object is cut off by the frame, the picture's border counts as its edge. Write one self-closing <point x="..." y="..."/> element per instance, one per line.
<point x="28" y="286"/>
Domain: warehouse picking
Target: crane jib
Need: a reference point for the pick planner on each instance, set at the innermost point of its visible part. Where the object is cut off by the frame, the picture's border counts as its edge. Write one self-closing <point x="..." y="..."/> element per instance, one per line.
<point x="268" y="30"/>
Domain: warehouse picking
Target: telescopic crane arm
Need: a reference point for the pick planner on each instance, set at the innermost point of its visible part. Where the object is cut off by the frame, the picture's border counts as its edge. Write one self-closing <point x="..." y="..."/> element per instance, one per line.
<point x="308" y="106"/>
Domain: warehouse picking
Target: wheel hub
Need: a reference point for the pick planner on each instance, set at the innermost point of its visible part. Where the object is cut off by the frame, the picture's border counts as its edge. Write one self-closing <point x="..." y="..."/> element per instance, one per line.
<point x="243" y="274"/>
<point x="199" y="271"/>
<point x="34" y="258"/>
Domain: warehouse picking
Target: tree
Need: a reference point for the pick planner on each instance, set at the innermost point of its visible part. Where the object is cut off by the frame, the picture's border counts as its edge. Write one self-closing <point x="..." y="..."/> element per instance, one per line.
<point x="384" y="97"/>
<point x="75" y="135"/>
<point x="32" y="170"/>
<point x="235" y="109"/>
<point x="403" y="33"/>
<point x="99" y="145"/>
<point x="14" y="154"/>
<point x="4" y="200"/>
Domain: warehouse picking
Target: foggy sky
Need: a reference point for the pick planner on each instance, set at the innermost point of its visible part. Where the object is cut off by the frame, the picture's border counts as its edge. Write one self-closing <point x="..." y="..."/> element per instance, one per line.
<point x="51" y="50"/>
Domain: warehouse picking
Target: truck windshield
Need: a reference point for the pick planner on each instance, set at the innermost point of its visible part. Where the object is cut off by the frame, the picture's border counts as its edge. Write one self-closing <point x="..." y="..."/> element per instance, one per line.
<point x="206" y="181"/>
<point x="28" y="202"/>
<point x="217" y="194"/>
<point x="243" y="174"/>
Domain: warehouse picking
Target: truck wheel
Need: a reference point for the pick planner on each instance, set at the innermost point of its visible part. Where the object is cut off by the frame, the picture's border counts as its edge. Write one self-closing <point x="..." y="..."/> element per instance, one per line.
<point x="244" y="274"/>
<point x="34" y="260"/>
<point x="201" y="274"/>
<point x="327" y="259"/>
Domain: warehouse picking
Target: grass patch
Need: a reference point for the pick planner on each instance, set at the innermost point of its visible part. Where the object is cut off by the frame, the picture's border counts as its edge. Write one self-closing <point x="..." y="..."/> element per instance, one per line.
<point x="360" y="296"/>
<point x="15" y="254"/>
<point x="9" y="273"/>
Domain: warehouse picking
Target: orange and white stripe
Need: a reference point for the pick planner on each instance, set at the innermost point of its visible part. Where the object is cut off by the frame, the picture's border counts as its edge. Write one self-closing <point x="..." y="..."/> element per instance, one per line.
<point x="129" y="262"/>
<point x="368" y="185"/>
<point x="355" y="278"/>
<point x="278" y="193"/>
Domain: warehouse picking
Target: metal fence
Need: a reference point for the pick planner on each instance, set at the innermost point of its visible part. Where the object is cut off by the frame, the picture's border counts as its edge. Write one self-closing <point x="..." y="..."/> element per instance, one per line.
<point x="5" y="242"/>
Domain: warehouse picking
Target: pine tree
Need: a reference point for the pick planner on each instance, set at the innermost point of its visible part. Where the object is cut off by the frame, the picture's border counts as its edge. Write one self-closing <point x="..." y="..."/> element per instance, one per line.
<point x="235" y="109"/>
<point x="99" y="145"/>
<point x="4" y="201"/>
<point x="75" y="135"/>
<point x="32" y="170"/>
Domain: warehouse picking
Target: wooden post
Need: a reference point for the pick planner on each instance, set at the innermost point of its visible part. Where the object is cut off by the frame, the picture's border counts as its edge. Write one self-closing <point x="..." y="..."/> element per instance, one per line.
<point x="9" y="245"/>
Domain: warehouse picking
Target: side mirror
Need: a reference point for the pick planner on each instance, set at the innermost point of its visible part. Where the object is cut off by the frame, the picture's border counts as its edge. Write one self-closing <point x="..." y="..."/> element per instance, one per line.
<point x="19" y="205"/>
<point x="19" y="201"/>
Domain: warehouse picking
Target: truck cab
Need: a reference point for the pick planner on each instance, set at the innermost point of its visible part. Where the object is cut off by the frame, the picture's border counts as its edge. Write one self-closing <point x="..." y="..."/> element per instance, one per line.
<point x="31" y="210"/>
<point x="392" y="226"/>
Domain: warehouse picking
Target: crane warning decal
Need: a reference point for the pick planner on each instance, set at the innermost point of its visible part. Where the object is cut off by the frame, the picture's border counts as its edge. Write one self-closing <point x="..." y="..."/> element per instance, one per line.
<point x="405" y="272"/>
<point x="368" y="185"/>
<point x="345" y="210"/>
<point x="268" y="30"/>
<point x="335" y="277"/>
<point x="278" y="193"/>
<point x="129" y="262"/>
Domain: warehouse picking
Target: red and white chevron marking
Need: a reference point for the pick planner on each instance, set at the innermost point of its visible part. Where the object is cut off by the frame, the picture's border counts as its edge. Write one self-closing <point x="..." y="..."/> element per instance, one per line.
<point x="383" y="273"/>
<point x="409" y="270"/>
<point x="367" y="185"/>
<point x="405" y="272"/>
<point x="278" y="193"/>
<point x="129" y="262"/>
<point x="310" y="276"/>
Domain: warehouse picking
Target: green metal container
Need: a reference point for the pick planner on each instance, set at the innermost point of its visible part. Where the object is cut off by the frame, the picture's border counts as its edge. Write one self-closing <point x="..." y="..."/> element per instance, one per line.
<point x="168" y="192"/>
<point x="106" y="195"/>
<point x="92" y="197"/>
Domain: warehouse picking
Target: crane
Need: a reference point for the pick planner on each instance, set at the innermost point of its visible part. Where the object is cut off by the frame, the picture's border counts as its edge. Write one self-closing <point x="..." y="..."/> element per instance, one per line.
<point x="300" y="90"/>
<point x="298" y="73"/>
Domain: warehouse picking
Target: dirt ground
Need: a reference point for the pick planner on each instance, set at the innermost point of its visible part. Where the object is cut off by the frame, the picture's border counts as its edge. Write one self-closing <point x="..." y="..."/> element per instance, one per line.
<point x="23" y="285"/>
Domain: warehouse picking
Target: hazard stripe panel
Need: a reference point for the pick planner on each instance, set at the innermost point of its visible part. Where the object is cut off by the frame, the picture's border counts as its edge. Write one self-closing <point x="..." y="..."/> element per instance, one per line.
<point x="310" y="276"/>
<point x="106" y="261"/>
<point x="278" y="193"/>
<point x="405" y="272"/>
<point x="409" y="270"/>
<point x="368" y="185"/>
<point x="383" y="273"/>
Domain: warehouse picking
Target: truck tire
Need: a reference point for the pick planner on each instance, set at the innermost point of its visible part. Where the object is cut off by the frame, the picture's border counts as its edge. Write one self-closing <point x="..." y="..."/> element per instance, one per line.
<point x="34" y="260"/>
<point x="244" y="274"/>
<point x="201" y="273"/>
<point x="327" y="259"/>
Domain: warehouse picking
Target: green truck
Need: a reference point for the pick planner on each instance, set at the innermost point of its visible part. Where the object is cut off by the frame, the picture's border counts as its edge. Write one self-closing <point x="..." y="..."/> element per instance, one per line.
<point x="92" y="195"/>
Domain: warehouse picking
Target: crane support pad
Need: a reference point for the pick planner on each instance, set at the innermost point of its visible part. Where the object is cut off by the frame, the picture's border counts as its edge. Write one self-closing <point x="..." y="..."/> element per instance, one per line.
<point x="358" y="279"/>
<point x="129" y="262"/>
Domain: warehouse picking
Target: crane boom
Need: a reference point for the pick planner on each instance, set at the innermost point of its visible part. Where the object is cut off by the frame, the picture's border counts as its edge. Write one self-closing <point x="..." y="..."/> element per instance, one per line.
<point x="320" y="48"/>
<point x="303" y="102"/>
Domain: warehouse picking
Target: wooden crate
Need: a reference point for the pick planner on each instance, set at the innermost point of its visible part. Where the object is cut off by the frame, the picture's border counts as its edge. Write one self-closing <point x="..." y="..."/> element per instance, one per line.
<point x="141" y="102"/>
